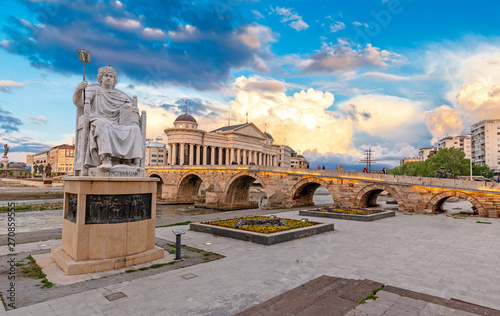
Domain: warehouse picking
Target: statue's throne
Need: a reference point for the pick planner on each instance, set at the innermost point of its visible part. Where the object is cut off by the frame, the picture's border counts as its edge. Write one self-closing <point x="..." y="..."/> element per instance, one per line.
<point x="82" y="137"/>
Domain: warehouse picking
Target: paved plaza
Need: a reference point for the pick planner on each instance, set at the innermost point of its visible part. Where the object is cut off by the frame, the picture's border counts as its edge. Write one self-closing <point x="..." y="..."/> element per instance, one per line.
<point x="432" y="254"/>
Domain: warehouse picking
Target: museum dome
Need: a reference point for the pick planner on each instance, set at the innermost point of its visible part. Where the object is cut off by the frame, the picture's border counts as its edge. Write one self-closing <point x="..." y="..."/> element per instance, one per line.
<point x="185" y="118"/>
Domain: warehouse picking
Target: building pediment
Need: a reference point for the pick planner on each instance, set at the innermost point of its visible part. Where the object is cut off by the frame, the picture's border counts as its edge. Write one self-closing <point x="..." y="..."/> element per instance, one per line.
<point x="250" y="130"/>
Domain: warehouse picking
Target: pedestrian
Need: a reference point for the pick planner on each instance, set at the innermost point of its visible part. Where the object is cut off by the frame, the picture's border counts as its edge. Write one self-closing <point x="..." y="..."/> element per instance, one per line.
<point x="384" y="171"/>
<point x="498" y="179"/>
<point x="319" y="167"/>
<point x="365" y="170"/>
<point x="323" y="167"/>
<point x="307" y="166"/>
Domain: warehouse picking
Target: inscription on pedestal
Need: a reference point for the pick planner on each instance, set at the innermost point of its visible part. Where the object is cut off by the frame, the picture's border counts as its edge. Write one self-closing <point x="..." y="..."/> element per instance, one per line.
<point x="119" y="208"/>
<point x="72" y="207"/>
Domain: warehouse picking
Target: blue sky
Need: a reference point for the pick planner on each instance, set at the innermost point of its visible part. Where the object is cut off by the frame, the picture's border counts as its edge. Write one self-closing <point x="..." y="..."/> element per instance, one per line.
<point x="328" y="78"/>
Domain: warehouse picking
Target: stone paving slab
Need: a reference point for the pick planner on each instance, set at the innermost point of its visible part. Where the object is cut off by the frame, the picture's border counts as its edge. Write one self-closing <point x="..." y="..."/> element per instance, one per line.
<point x="430" y="254"/>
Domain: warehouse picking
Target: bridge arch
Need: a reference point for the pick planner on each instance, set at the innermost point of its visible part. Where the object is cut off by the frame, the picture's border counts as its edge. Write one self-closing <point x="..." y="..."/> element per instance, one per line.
<point x="189" y="186"/>
<point x="436" y="203"/>
<point x="159" y="184"/>
<point x="367" y="196"/>
<point x="303" y="191"/>
<point x="237" y="188"/>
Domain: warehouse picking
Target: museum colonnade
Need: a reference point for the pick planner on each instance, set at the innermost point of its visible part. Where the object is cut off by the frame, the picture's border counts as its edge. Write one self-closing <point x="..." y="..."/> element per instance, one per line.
<point x="182" y="154"/>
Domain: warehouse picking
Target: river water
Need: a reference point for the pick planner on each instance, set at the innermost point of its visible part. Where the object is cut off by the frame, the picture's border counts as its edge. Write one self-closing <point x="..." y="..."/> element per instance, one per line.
<point x="52" y="219"/>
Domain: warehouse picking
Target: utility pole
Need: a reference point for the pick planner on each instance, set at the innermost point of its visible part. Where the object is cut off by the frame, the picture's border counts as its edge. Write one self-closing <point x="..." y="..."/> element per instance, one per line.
<point x="369" y="161"/>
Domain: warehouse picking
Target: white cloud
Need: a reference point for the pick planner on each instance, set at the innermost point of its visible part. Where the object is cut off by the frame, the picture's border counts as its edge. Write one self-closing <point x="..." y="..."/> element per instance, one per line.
<point x="337" y="26"/>
<point x="382" y="115"/>
<point x="153" y="33"/>
<point x="6" y="85"/>
<point x="343" y="56"/>
<point x="355" y="23"/>
<point x="257" y="14"/>
<point x="6" y="43"/>
<point x="443" y="121"/>
<point x="257" y="36"/>
<point x="185" y="33"/>
<point x="124" y="24"/>
<point x="301" y="118"/>
<point x="296" y="21"/>
<point x="385" y="77"/>
<point x="37" y="120"/>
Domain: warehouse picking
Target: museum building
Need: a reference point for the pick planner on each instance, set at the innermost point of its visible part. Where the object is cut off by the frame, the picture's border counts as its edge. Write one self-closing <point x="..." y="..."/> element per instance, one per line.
<point x="242" y="144"/>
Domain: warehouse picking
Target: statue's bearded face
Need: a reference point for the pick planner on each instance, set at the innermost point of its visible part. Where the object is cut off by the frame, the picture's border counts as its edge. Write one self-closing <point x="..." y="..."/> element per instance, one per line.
<point x="107" y="75"/>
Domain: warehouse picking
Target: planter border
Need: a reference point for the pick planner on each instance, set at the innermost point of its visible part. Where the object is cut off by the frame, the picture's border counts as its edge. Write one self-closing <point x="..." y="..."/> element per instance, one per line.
<point x="260" y="238"/>
<point x="352" y="217"/>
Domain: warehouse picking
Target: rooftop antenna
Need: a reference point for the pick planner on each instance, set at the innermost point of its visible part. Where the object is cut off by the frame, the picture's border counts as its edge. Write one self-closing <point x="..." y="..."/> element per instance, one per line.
<point x="265" y="127"/>
<point x="186" y="107"/>
<point x="247" y="117"/>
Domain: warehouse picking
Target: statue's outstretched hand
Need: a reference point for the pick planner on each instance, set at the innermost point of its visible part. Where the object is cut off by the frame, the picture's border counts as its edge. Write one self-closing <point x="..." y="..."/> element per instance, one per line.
<point x="82" y="85"/>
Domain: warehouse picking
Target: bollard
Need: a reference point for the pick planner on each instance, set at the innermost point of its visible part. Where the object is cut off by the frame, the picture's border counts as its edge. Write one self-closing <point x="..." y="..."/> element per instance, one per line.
<point x="178" y="233"/>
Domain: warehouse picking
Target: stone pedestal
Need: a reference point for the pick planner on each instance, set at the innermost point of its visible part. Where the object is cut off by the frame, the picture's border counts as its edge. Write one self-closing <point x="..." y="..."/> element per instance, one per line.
<point x="109" y="223"/>
<point x="5" y="162"/>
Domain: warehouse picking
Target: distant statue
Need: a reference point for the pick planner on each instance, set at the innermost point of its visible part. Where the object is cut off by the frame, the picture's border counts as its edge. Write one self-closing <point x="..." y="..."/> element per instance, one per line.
<point x="5" y="149"/>
<point x="48" y="169"/>
<point x="114" y="135"/>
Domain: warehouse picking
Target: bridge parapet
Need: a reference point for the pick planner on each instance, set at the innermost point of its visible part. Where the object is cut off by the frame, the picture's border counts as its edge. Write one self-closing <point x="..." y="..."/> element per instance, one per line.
<point x="288" y="187"/>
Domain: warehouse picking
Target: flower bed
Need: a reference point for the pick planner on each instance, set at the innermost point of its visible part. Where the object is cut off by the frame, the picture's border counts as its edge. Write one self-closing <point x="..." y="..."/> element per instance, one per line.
<point x="353" y="211"/>
<point x="261" y="229"/>
<point x="261" y="224"/>
<point x="356" y="214"/>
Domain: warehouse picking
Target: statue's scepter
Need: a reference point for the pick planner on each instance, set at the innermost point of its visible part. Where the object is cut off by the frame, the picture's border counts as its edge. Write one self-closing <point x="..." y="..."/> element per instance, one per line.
<point x="84" y="57"/>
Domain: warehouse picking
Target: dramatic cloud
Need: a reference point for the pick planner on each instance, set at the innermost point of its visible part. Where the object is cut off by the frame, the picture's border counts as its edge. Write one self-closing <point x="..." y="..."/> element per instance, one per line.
<point x="195" y="107"/>
<point x="296" y="21"/>
<point x="343" y="56"/>
<point x="6" y="85"/>
<point x="302" y="119"/>
<point x="337" y="27"/>
<point x="480" y="101"/>
<point x="9" y="123"/>
<point x="384" y="116"/>
<point x="443" y="121"/>
<point x="182" y="43"/>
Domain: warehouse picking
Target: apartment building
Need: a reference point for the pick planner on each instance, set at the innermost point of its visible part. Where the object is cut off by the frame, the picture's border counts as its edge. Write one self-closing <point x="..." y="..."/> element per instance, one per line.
<point x="486" y="143"/>
<point x="461" y="142"/>
<point x="426" y="152"/>
<point x="156" y="154"/>
<point x="62" y="159"/>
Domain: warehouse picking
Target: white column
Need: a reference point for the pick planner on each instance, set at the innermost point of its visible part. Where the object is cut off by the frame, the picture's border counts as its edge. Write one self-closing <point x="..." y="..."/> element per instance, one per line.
<point x="244" y="157"/>
<point x="181" y="154"/>
<point x="238" y="155"/>
<point x="191" y="146"/>
<point x="228" y="162"/>
<point x="255" y="157"/>
<point x="220" y="156"/>
<point x="198" y="147"/>
<point x="231" y="159"/>
<point x="260" y="159"/>
<point x="170" y="146"/>
<point x="174" y="154"/>
<point x="205" y="155"/>
<point x="212" y="155"/>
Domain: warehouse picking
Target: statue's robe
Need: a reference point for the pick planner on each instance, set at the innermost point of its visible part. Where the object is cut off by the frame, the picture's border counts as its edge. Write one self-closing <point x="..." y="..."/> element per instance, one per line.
<point x="107" y="135"/>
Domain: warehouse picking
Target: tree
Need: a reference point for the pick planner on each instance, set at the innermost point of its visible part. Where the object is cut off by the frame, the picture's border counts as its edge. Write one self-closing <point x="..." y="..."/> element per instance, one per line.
<point x="451" y="159"/>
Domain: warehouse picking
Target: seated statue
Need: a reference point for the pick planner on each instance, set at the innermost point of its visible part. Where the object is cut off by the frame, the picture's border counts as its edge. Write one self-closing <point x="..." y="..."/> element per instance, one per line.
<point x="114" y="136"/>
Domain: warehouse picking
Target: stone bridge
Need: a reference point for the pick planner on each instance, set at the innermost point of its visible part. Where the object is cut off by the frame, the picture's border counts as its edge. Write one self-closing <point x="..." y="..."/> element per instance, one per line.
<point x="227" y="187"/>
